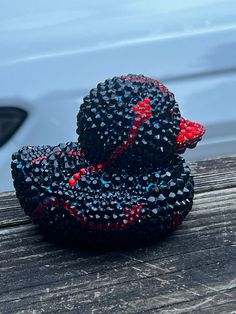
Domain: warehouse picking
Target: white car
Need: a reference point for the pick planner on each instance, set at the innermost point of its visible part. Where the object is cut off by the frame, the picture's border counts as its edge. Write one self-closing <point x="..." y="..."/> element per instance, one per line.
<point x="54" y="51"/>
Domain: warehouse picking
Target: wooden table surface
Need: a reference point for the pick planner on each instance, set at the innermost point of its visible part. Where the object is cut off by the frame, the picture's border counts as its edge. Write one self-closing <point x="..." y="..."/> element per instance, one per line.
<point x="191" y="271"/>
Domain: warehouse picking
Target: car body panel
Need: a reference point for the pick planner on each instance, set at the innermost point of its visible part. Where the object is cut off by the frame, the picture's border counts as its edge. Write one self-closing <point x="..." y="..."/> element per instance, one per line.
<point x="52" y="53"/>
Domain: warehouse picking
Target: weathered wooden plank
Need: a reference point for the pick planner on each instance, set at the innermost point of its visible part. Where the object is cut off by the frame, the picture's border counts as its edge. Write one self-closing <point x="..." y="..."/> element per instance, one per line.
<point x="132" y="289"/>
<point x="192" y="271"/>
<point x="214" y="174"/>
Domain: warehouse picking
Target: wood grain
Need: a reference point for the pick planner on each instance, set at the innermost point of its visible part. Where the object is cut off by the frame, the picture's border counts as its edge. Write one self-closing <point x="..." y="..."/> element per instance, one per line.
<point x="192" y="271"/>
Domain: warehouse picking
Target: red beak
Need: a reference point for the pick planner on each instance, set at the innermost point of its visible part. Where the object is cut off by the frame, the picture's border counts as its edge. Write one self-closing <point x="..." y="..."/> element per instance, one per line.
<point x="190" y="134"/>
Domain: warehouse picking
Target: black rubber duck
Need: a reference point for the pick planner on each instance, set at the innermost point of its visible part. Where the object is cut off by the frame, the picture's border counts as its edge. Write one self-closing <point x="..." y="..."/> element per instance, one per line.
<point x="123" y="181"/>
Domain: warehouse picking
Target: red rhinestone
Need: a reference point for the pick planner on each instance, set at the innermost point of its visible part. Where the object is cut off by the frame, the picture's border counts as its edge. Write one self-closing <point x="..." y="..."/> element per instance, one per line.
<point x="163" y="89"/>
<point x="180" y="138"/>
<point x="131" y="220"/>
<point x="195" y="131"/>
<point x="141" y="104"/>
<point x="148" y="108"/>
<point x="136" y="217"/>
<point x="72" y="210"/>
<point x="133" y="131"/>
<point x="177" y="218"/>
<point x="83" y="171"/>
<point x="190" y="136"/>
<point x="77" y="176"/>
<point x="72" y="182"/>
<point x="92" y="168"/>
<point x="100" y="166"/>
<point x="147" y="101"/>
<point x="137" y="123"/>
<point x="127" y="211"/>
<point x="138" y="211"/>
<point x="148" y="115"/>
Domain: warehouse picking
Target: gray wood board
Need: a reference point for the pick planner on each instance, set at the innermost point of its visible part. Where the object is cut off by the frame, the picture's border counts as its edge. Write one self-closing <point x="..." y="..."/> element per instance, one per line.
<point x="191" y="271"/>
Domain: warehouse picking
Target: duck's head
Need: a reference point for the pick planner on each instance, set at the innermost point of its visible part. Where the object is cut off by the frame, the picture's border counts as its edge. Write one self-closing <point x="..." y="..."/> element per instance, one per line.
<point x="134" y="120"/>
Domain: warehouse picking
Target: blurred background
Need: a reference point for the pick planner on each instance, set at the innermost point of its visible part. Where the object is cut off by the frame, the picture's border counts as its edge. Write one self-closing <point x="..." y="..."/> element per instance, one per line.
<point x="53" y="52"/>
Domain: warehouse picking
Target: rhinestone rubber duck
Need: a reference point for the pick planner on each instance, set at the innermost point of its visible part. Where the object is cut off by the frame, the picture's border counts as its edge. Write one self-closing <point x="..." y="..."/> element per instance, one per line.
<point x="124" y="180"/>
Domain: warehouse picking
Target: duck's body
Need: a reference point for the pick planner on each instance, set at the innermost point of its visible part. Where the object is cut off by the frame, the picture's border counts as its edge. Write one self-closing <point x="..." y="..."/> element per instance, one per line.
<point x="124" y="181"/>
<point x="58" y="187"/>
